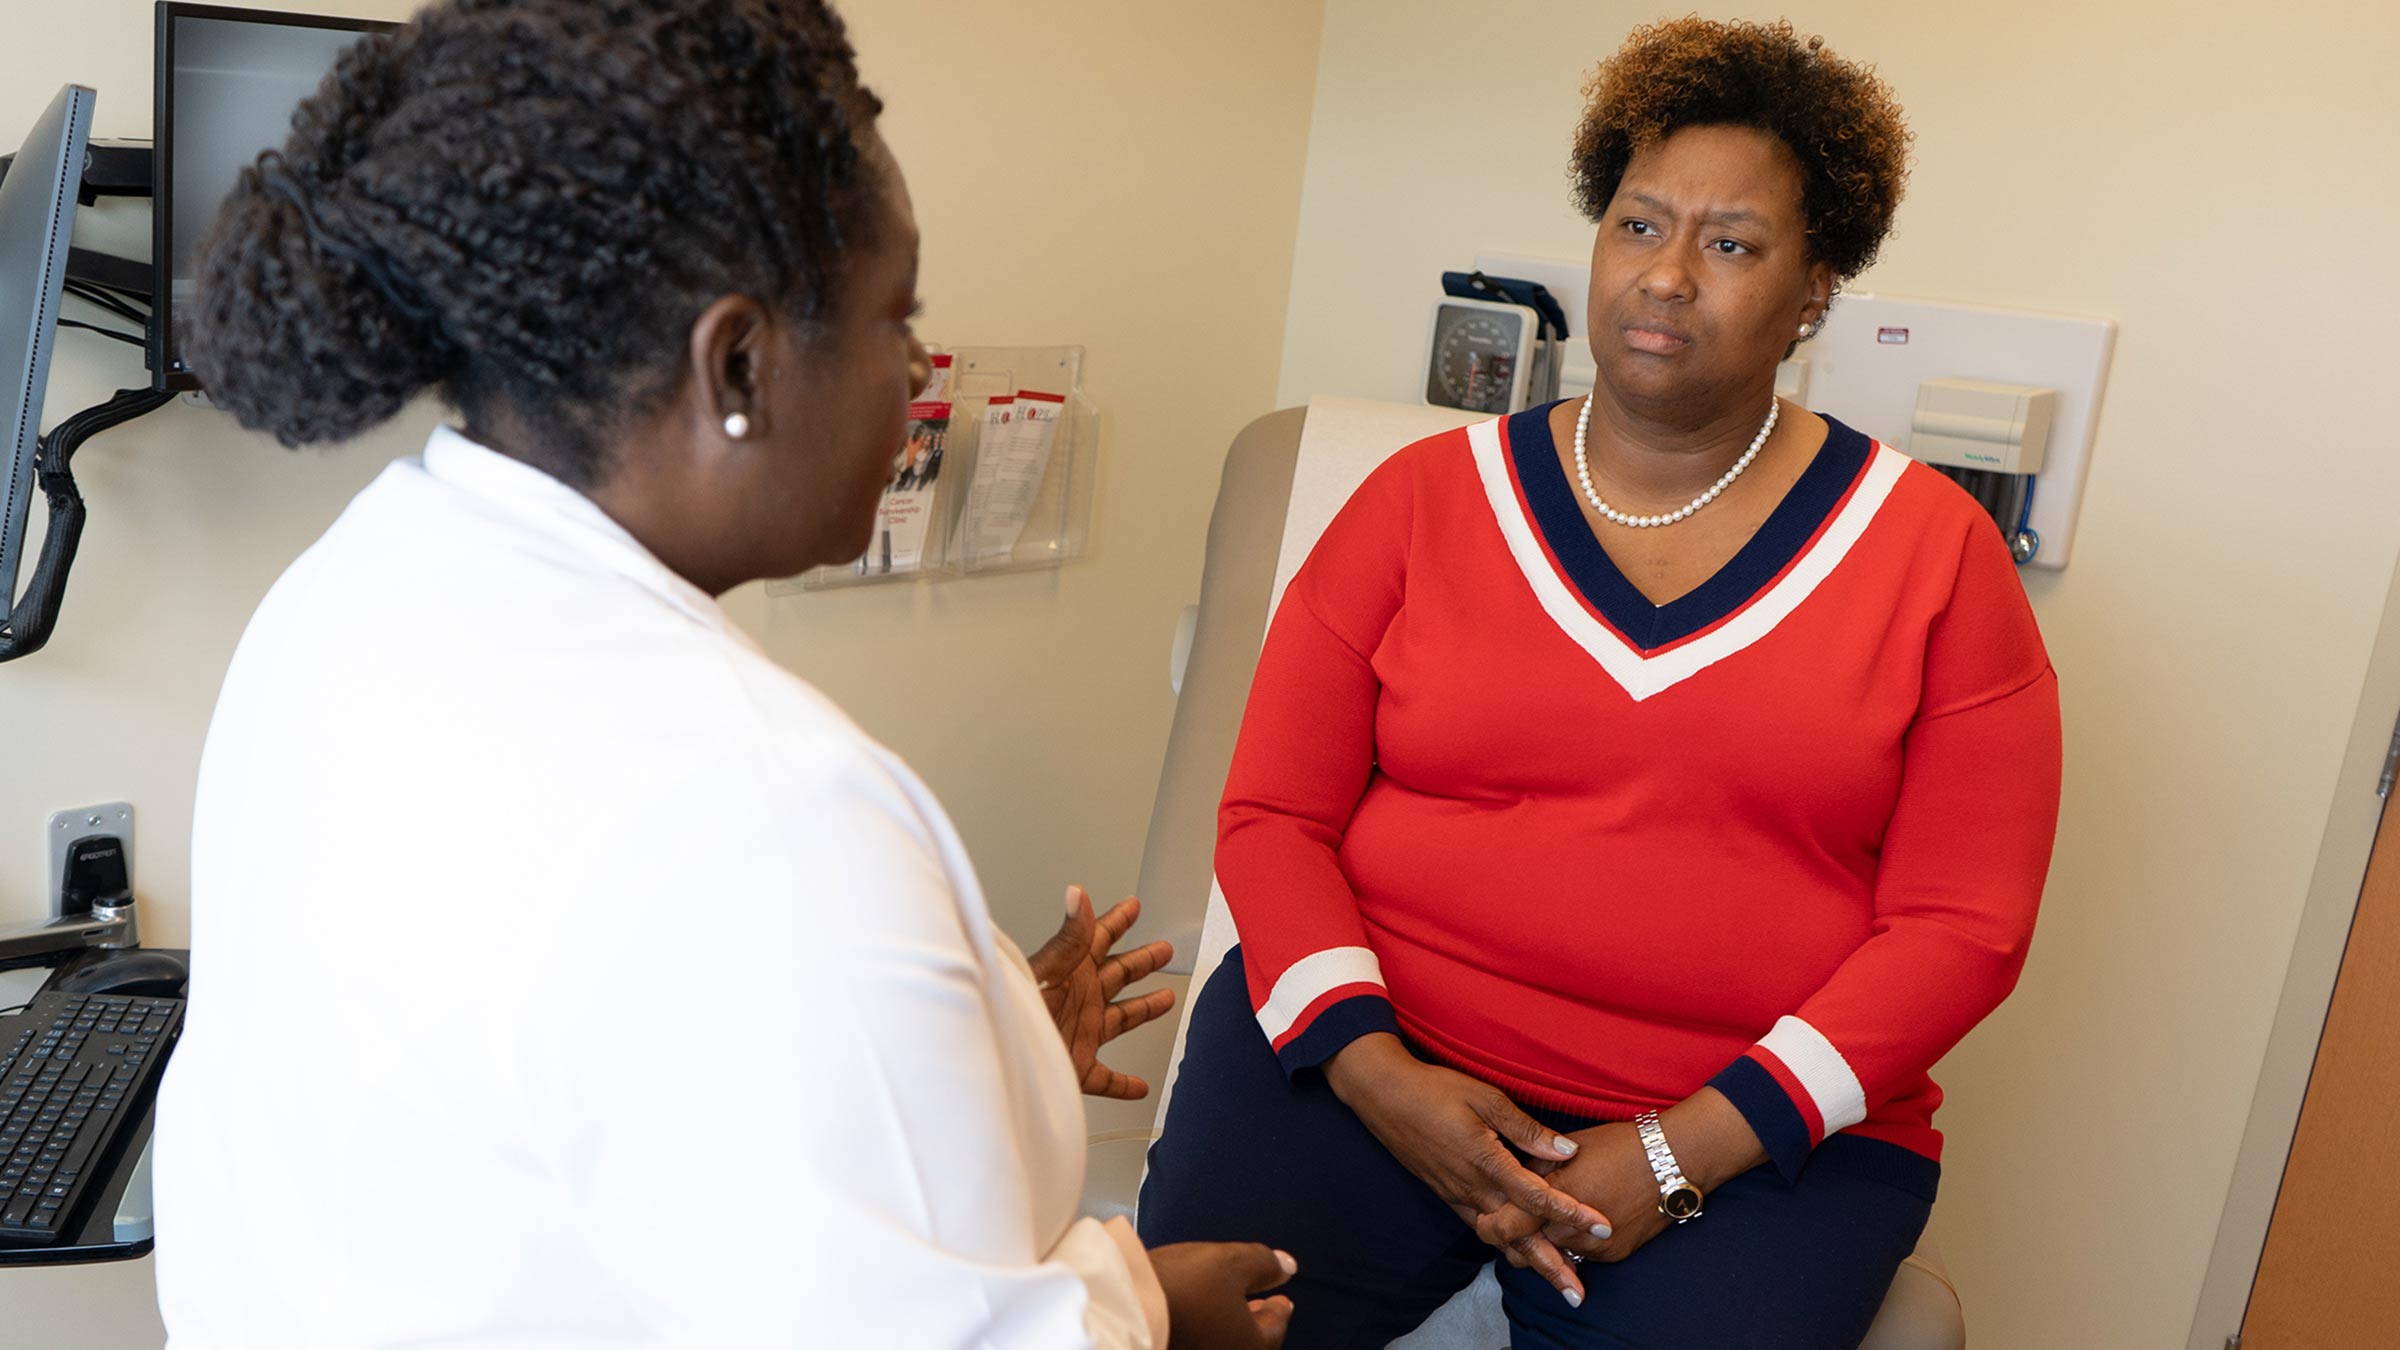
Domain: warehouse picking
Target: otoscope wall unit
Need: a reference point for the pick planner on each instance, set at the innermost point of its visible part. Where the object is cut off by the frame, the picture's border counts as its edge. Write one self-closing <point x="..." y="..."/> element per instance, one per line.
<point x="1966" y="388"/>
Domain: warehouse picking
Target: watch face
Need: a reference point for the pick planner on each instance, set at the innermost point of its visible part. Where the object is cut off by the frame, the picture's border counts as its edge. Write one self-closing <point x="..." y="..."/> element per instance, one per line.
<point x="1681" y="1203"/>
<point x="1474" y="361"/>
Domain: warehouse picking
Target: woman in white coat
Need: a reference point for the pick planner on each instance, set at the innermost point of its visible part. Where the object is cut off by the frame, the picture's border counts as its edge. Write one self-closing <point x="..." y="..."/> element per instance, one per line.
<point x="567" y="972"/>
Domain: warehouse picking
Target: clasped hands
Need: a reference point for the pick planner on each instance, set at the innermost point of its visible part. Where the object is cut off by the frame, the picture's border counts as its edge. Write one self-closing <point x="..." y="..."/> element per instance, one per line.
<point x="1588" y="1195"/>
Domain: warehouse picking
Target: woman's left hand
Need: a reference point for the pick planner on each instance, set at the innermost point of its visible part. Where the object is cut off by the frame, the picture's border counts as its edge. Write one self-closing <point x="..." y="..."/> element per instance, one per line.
<point x="1712" y="1141"/>
<point x="1609" y="1172"/>
<point x="1080" y="982"/>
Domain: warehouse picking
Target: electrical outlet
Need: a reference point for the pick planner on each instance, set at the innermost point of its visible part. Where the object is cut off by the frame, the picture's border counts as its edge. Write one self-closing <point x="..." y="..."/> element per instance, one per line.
<point x="68" y="826"/>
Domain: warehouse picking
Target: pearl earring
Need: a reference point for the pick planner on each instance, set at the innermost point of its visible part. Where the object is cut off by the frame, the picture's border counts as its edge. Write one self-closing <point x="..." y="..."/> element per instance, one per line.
<point x="1807" y="331"/>
<point x="736" y="426"/>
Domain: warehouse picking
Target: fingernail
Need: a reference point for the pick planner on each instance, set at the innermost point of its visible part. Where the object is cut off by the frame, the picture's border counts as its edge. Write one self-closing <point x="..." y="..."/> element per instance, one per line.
<point x="1574" y="1300"/>
<point x="1071" y="901"/>
<point x="1564" y="1145"/>
<point x="1601" y="1231"/>
<point x="1290" y="1266"/>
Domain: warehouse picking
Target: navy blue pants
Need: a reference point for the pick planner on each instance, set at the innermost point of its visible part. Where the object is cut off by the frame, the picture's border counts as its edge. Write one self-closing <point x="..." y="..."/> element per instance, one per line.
<point x="1248" y="1156"/>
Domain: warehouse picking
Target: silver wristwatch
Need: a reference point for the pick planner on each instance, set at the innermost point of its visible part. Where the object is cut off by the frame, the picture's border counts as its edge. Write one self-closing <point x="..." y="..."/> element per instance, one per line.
<point x="1678" y="1199"/>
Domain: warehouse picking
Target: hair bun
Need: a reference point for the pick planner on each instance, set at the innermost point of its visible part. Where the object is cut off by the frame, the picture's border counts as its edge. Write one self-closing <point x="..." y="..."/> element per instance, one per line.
<point x="299" y="329"/>
<point x="525" y="204"/>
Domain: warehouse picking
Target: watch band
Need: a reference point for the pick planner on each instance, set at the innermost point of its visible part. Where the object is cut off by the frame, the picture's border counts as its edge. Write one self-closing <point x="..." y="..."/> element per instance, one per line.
<point x="1678" y="1198"/>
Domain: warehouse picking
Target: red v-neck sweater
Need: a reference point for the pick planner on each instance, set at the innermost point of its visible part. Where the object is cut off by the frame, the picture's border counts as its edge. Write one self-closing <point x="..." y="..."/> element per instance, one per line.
<point x="1785" y="835"/>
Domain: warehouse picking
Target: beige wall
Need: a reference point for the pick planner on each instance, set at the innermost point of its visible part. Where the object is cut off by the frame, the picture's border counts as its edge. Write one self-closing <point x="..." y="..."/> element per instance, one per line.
<point x="2220" y="182"/>
<point x="1122" y="176"/>
<point x="2220" y="187"/>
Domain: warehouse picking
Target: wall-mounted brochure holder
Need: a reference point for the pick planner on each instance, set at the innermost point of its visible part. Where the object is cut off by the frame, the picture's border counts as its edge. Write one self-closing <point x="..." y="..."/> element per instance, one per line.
<point x="996" y="475"/>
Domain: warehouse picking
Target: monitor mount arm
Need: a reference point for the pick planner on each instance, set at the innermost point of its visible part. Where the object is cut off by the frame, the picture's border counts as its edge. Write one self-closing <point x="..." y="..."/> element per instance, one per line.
<point x="110" y="169"/>
<point x="29" y="623"/>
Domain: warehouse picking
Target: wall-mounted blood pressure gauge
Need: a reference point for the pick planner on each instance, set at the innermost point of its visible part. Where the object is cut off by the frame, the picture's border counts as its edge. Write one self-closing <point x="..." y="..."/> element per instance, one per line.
<point x="1480" y="355"/>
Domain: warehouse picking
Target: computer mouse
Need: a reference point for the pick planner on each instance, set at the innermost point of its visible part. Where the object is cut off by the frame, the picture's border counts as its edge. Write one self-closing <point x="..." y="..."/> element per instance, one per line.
<point x="137" y="971"/>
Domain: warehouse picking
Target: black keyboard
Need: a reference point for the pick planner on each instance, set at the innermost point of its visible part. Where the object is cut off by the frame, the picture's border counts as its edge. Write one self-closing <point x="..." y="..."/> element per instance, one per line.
<point x="76" y="1070"/>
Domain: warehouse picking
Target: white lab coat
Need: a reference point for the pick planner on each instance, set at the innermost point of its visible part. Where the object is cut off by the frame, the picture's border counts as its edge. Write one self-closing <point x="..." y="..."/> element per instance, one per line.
<point x="567" y="973"/>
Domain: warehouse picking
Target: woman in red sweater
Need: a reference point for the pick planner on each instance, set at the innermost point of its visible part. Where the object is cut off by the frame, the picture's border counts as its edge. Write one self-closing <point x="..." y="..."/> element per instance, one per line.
<point x="1636" y="797"/>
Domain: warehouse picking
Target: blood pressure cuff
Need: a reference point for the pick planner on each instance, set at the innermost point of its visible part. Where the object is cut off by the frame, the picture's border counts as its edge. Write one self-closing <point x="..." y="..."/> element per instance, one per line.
<point x="1512" y="290"/>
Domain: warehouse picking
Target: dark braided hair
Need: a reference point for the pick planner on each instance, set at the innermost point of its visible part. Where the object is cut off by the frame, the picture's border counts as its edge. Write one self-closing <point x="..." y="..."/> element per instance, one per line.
<point x="526" y="203"/>
<point x="1839" y="121"/>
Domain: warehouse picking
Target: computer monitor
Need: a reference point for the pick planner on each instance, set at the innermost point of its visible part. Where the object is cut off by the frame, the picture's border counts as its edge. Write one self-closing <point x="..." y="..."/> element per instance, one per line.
<point x="37" y="217"/>
<point x="227" y="82"/>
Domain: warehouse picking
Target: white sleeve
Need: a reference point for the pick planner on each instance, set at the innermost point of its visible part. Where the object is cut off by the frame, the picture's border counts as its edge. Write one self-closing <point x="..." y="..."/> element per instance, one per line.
<point x="1128" y="1306"/>
<point x="817" y="1120"/>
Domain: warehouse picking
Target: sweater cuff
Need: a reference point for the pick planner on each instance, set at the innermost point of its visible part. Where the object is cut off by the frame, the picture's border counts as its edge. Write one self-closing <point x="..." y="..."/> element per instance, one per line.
<point x="1794" y="1088"/>
<point x="1322" y="1002"/>
<point x="1777" y="1123"/>
<point x="1335" y="1026"/>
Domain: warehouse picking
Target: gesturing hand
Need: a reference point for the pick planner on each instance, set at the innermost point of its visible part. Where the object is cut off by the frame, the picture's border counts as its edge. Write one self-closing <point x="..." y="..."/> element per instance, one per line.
<point x="1448" y="1129"/>
<point x="1080" y="982"/>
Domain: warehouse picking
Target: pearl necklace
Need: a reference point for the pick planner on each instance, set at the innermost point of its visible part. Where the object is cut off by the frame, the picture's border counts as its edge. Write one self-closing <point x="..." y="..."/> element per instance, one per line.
<point x="1583" y="470"/>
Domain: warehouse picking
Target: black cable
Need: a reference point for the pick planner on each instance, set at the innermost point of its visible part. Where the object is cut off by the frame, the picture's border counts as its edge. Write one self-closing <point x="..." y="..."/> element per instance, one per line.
<point x="135" y="338"/>
<point x="116" y="303"/>
<point x="113" y="306"/>
<point x="30" y="622"/>
<point x="108" y="300"/>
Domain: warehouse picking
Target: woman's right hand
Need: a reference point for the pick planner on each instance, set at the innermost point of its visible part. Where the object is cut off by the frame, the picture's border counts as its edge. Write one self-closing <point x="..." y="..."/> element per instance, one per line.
<point x="1449" y="1130"/>
<point x="1209" y="1287"/>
